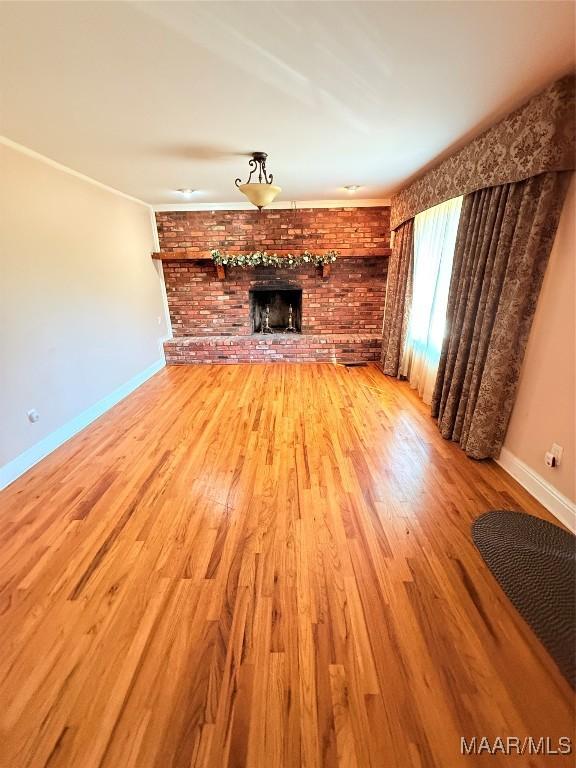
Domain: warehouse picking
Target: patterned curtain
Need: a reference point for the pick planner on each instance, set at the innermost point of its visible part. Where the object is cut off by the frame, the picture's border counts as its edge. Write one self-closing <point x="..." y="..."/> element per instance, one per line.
<point x="398" y="298"/>
<point x="504" y="240"/>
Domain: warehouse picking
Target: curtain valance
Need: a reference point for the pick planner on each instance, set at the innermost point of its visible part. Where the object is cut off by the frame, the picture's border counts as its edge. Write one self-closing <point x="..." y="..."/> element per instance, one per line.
<point x="540" y="136"/>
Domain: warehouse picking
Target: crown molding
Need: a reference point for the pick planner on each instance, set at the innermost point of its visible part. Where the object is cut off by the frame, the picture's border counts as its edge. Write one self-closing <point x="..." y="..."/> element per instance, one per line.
<point x="278" y="205"/>
<point x="59" y="166"/>
<point x="236" y="206"/>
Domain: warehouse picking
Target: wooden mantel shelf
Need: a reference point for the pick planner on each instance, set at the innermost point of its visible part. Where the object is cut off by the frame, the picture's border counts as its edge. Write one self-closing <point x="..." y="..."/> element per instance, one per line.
<point x="344" y="253"/>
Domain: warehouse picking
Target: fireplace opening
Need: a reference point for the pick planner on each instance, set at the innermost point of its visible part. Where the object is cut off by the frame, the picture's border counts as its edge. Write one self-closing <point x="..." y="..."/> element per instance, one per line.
<point x="276" y="310"/>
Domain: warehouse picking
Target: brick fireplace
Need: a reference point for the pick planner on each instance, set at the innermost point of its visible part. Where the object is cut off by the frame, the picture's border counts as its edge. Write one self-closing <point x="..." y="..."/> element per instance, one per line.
<point x="336" y="317"/>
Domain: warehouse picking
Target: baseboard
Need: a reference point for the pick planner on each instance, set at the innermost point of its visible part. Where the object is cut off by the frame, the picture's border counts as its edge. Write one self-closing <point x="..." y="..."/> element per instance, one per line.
<point x="555" y="502"/>
<point x="25" y="461"/>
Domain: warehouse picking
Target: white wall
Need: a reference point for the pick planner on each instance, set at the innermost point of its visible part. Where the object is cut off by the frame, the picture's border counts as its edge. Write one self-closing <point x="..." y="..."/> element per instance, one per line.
<point x="545" y="407"/>
<point x="81" y="305"/>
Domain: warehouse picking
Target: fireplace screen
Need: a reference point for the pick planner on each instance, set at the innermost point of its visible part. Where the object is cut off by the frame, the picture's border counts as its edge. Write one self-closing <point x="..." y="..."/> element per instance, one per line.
<point x="276" y="310"/>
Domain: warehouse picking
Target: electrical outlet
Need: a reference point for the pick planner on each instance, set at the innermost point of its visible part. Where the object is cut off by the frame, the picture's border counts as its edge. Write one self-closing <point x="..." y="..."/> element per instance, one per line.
<point x="557" y="452"/>
<point x="33" y="415"/>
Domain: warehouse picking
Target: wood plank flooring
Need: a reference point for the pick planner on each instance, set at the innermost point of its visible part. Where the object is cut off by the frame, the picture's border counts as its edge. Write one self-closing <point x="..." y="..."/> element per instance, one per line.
<point x="262" y="566"/>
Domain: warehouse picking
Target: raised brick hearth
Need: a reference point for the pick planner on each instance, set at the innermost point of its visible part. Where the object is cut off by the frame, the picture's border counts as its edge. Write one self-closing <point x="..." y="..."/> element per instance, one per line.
<point x="341" y="315"/>
<point x="260" y="348"/>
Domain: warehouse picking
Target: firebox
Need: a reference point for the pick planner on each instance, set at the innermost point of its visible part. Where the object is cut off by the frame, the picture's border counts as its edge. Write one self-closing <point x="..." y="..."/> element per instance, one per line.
<point x="276" y="310"/>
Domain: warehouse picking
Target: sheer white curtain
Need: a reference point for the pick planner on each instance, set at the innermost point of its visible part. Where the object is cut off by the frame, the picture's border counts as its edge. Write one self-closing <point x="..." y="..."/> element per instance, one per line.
<point x="434" y="240"/>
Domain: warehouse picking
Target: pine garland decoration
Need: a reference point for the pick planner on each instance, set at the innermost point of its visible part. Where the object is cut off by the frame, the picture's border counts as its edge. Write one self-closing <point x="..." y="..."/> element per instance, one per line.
<point x="264" y="259"/>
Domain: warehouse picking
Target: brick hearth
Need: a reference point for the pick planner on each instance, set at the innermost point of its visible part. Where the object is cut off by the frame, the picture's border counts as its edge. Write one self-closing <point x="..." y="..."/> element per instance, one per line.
<point x="341" y="315"/>
<point x="260" y="348"/>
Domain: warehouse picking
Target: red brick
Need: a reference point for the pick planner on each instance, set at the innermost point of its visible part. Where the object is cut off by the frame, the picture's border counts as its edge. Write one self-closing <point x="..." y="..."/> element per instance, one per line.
<point x="318" y="229"/>
<point x="341" y="315"/>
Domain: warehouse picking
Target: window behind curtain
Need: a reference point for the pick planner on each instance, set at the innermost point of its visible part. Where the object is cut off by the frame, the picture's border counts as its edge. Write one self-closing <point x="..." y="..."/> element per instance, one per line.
<point x="434" y="240"/>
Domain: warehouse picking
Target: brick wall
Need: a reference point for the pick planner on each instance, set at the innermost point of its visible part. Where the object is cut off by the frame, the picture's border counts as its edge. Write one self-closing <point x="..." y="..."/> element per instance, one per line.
<point x="348" y="303"/>
<point x="353" y="231"/>
<point x="350" y="300"/>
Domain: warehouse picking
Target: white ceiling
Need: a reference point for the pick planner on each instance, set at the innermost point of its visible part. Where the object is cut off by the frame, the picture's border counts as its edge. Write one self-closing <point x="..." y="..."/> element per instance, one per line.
<point x="149" y="97"/>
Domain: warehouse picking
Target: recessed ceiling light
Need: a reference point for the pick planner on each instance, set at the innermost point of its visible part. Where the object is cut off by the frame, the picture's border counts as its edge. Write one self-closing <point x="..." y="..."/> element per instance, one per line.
<point x="187" y="192"/>
<point x="351" y="187"/>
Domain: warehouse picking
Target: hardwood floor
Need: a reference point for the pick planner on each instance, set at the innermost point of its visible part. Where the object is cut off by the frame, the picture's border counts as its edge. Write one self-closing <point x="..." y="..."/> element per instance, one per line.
<point x="262" y="566"/>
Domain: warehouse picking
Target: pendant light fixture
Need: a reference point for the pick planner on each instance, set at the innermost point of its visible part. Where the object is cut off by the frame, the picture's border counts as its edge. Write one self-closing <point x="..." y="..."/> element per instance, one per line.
<point x="262" y="192"/>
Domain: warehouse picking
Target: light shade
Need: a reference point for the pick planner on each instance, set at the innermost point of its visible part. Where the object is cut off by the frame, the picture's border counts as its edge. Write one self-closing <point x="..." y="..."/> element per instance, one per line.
<point x="260" y="194"/>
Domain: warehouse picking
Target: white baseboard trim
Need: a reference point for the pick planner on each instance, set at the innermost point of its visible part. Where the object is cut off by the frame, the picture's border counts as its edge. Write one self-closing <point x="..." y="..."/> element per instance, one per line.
<point x="25" y="461"/>
<point x="555" y="502"/>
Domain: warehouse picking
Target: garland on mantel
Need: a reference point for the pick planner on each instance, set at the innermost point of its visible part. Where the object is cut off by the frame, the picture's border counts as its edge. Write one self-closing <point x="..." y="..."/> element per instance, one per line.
<point x="263" y="259"/>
